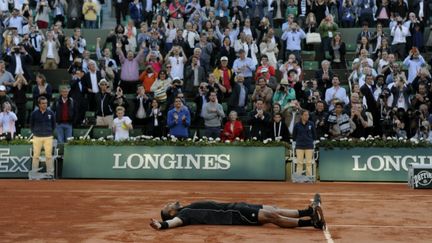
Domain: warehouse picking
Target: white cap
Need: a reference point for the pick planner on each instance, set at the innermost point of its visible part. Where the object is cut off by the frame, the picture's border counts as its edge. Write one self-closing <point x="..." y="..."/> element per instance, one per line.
<point x="2" y="88"/>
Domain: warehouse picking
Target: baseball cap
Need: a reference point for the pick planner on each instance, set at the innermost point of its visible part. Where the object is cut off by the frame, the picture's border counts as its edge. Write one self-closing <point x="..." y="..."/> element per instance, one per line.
<point x="103" y="81"/>
<point x="2" y="88"/>
<point x="224" y="58"/>
<point x="264" y="70"/>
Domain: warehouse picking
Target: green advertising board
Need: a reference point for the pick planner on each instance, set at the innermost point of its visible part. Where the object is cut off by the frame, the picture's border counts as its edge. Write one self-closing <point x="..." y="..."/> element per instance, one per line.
<point x="175" y="162"/>
<point x="15" y="161"/>
<point x="370" y="164"/>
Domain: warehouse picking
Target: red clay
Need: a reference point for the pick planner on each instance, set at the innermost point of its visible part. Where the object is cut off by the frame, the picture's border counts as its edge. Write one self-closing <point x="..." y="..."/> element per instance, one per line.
<point x="104" y="211"/>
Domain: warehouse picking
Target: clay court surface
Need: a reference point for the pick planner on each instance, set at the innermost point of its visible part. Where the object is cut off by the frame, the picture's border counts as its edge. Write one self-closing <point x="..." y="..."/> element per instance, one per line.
<point x="119" y="211"/>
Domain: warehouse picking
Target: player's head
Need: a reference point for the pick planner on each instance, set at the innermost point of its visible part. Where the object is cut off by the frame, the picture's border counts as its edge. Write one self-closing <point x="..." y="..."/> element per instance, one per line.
<point x="170" y="211"/>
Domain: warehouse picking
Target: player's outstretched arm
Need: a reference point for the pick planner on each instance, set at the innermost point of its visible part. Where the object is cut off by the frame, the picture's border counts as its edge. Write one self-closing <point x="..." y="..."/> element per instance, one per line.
<point x="172" y="223"/>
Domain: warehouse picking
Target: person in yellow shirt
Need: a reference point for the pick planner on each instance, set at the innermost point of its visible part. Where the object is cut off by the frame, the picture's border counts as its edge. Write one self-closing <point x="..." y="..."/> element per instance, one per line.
<point x="90" y="14"/>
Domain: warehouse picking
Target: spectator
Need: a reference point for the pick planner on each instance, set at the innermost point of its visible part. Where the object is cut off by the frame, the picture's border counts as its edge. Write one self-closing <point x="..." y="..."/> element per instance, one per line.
<point x="259" y="121"/>
<point x="399" y="33"/>
<point x="90" y="11"/>
<point x="414" y="61"/>
<point x="34" y="43"/>
<point x="368" y="90"/>
<point x="69" y="54"/>
<point x="91" y="80"/>
<point x="176" y="12"/>
<point x="304" y="136"/>
<point x="361" y="120"/>
<point x="42" y="125"/>
<point x="348" y="14"/>
<point x="74" y="13"/>
<point x="147" y="78"/>
<point x="364" y="44"/>
<point x="324" y="76"/>
<point x="264" y="93"/>
<point x="104" y="105"/>
<point x="19" y="62"/>
<point x="121" y="10"/>
<point x="340" y="124"/>
<point x="239" y="97"/>
<point x="284" y="94"/>
<point x="377" y="38"/>
<point x="50" y="55"/>
<point x="233" y="128"/>
<point x="142" y="107"/>
<point x="137" y="12"/>
<point x="400" y="94"/>
<point x="6" y="78"/>
<point x="244" y="65"/>
<point x="293" y="37"/>
<point x="176" y="58"/>
<point x="213" y="114"/>
<point x="42" y="88"/>
<point x="7" y="122"/>
<point x="155" y="60"/>
<point x="77" y="41"/>
<point x="336" y="94"/>
<point x="119" y="99"/>
<point x="337" y="52"/>
<point x="269" y="52"/>
<point x="364" y="33"/>
<point x="319" y="118"/>
<point x="60" y="7"/>
<point x="19" y="89"/>
<point x="327" y="29"/>
<point x="190" y="36"/>
<point x="15" y="21"/>
<point x="78" y="91"/>
<point x="160" y="86"/>
<point x="179" y="120"/>
<point x="156" y="122"/>
<point x="206" y="52"/>
<point x="194" y="74"/>
<point x="131" y="33"/>
<point x="42" y="14"/>
<point x="227" y="50"/>
<point x="65" y="110"/>
<point x="130" y="69"/>
<point x="121" y="125"/>
<point x="223" y="74"/>
<point x="291" y="64"/>
<point x="278" y="130"/>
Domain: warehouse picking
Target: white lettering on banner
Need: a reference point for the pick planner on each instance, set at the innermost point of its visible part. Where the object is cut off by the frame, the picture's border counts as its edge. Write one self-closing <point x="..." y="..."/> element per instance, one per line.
<point x="12" y="164"/>
<point x="388" y="163"/>
<point x="172" y="161"/>
<point x="424" y="178"/>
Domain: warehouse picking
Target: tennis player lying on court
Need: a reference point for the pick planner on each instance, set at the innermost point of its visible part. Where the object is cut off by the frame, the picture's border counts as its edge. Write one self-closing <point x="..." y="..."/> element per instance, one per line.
<point x="209" y="212"/>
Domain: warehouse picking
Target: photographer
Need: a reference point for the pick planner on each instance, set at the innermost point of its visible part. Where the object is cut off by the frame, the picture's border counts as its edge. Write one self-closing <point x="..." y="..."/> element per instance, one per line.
<point x="19" y="62"/>
<point x="319" y="118"/>
<point x="400" y="93"/>
<point x="173" y="91"/>
<point x="421" y="97"/>
<point x="293" y="37"/>
<point x="423" y="76"/>
<point x="311" y="94"/>
<point x="284" y="94"/>
<point x="424" y="132"/>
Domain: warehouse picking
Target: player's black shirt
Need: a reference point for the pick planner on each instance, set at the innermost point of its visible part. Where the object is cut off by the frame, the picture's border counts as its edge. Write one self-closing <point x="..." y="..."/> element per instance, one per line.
<point x="209" y="212"/>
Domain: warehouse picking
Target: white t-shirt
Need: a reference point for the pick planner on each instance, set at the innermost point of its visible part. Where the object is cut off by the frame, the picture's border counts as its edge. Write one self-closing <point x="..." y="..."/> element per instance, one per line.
<point x="121" y="131"/>
<point x="177" y="66"/>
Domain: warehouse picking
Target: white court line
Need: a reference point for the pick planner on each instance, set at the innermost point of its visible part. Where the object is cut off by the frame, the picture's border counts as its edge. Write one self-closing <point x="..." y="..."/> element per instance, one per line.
<point x="327" y="235"/>
<point x="381" y="226"/>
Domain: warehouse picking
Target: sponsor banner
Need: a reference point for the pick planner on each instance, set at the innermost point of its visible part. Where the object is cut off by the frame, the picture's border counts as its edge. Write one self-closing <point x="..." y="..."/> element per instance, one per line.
<point x="370" y="164"/>
<point x="174" y="162"/>
<point x="420" y="176"/>
<point x="15" y="161"/>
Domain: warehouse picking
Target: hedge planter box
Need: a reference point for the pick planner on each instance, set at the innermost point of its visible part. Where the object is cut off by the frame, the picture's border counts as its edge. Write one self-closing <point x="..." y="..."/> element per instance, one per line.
<point x="175" y="162"/>
<point x="370" y="164"/>
<point x="15" y="160"/>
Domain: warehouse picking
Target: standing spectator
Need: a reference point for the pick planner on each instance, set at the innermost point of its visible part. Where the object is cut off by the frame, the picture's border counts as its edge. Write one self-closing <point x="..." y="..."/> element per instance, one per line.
<point x="19" y="62"/>
<point x="89" y="10"/>
<point x="324" y="76"/>
<point x="270" y="51"/>
<point x="60" y="7"/>
<point x="118" y="36"/>
<point x="77" y="41"/>
<point x="74" y="13"/>
<point x="121" y="10"/>
<point x="217" y="87"/>
<point x="142" y="106"/>
<point x="177" y="58"/>
<point x="327" y="29"/>
<point x="337" y="52"/>
<point x="336" y="94"/>
<point x="244" y="65"/>
<point x="137" y="12"/>
<point x="319" y="118"/>
<point x="293" y="37"/>
<point x="16" y="21"/>
<point x="179" y="119"/>
<point x="121" y="125"/>
<point x="348" y="14"/>
<point x="65" y="110"/>
<point x="368" y="90"/>
<point x="131" y="32"/>
<point x="42" y="88"/>
<point x="7" y="121"/>
<point x="206" y="52"/>
<point x="130" y="69"/>
<point x="42" y="14"/>
<point x="42" y="125"/>
<point x="414" y="61"/>
<point x="160" y="86"/>
<point x="239" y="97"/>
<point x="233" y="128"/>
<point x="194" y="74"/>
<point x="399" y="33"/>
<point x="259" y="121"/>
<point x="304" y="135"/>
<point x="50" y="55"/>
<point x="223" y="74"/>
<point x="190" y="36"/>
<point x="264" y="93"/>
<point x="148" y="11"/>
<point x="6" y="78"/>
<point x="19" y="89"/>
<point x="278" y="130"/>
<point x="104" y="105"/>
<point x="177" y="11"/>
<point x="78" y="91"/>
<point x="91" y="80"/>
<point x="213" y="114"/>
<point x="147" y="78"/>
<point x="156" y="121"/>
<point x="228" y="51"/>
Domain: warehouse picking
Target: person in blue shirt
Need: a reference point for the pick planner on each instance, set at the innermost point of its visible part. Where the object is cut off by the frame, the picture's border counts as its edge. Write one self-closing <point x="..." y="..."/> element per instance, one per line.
<point x="179" y="120"/>
<point x="42" y="124"/>
<point x="304" y="136"/>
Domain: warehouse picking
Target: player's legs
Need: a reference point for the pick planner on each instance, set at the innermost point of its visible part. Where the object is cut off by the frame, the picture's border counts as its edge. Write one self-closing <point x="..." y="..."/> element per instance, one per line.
<point x="290" y="213"/>
<point x="265" y="217"/>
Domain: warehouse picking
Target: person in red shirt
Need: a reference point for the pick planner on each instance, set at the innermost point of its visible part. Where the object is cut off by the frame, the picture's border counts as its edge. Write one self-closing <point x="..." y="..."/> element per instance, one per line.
<point x="147" y="78"/>
<point x="233" y="128"/>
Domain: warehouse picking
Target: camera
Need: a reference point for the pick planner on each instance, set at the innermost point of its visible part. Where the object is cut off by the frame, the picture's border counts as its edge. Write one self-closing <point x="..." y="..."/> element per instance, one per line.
<point x="282" y="88"/>
<point x="309" y="84"/>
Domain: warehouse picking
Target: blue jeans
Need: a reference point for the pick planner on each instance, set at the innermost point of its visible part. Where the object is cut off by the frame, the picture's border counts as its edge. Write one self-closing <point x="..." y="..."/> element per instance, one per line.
<point x="90" y="24"/>
<point x="64" y="131"/>
<point x="212" y="132"/>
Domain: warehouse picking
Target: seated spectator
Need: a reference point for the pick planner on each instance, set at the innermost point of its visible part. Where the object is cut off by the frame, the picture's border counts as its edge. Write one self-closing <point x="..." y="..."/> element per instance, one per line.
<point x="104" y="105"/>
<point x="42" y="88"/>
<point x="340" y="124"/>
<point x="7" y="121"/>
<point x="335" y="94"/>
<point x="160" y="86"/>
<point x="142" y="107"/>
<point x="121" y="125"/>
<point x="213" y="114"/>
<point x="156" y="122"/>
<point x="65" y="111"/>
<point x="179" y="120"/>
<point x="259" y="121"/>
<point x="50" y="55"/>
<point x="147" y="78"/>
<point x="264" y="93"/>
<point x="233" y="128"/>
<point x="278" y="130"/>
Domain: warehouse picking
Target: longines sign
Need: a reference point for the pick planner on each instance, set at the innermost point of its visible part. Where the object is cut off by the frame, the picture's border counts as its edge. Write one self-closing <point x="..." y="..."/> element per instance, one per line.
<point x="174" y="162"/>
<point x="371" y="164"/>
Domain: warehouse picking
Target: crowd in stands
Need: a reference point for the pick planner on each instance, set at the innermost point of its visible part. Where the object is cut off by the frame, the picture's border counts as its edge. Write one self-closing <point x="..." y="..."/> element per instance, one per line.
<point x="229" y="69"/>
